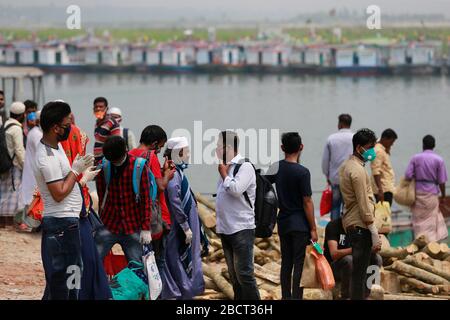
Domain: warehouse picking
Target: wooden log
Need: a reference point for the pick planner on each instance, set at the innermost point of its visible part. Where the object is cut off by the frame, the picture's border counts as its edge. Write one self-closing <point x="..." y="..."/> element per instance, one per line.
<point x="444" y="288"/>
<point x="419" y="285"/>
<point x="220" y="281"/>
<point x="390" y="281"/>
<point x="259" y="240"/>
<point x="216" y="243"/>
<point x="418" y="273"/>
<point x="266" y="274"/>
<point x="376" y="292"/>
<point x="219" y="254"/>
<point x="445" y="252"/>
<point x="204" y="200"/>
<point x="412" y="248"/>
<point x="263" y="245"/>
<point x="210" y="284"/>
<point x="274" y="245"/>
<point x="433" y="249"/>
<point x="421" y="241"/>
<point x="414" y="296"/>
<point x="423" y="257"/>
<point x="399" y="253"/>
<point x="414" y="262"/>
<point x="207" y="217"/>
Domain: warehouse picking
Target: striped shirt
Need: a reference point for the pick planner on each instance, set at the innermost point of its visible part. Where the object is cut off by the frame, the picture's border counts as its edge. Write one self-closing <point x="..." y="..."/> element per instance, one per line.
<point x="103" y="129"/>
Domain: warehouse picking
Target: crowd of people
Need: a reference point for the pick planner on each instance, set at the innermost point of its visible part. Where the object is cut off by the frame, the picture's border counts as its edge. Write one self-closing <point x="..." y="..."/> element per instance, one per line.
<point x="46" y="170"/>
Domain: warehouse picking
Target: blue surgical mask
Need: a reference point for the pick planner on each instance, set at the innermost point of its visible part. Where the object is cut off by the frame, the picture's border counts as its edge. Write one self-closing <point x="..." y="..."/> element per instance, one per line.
<point x="369" y="154"/>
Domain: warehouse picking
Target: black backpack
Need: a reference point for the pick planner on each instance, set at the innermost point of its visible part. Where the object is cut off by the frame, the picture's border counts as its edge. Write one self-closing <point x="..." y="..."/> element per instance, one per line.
<point x="6" y="162"/>
<point x="266" y="203"/>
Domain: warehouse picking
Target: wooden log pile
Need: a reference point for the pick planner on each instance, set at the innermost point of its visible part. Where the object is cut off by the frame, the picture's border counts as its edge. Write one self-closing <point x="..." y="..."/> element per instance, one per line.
<point x="421" y="268"/>
<point x="267" y="255"/>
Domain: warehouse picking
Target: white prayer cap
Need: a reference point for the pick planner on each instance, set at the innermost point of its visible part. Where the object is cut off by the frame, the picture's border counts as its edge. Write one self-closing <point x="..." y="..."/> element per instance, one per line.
<point x="38" y="114"/>
<point x="59" y="100"/>
<point x="17" y="107"/>
<point x="177" y="143"/>
<point x="115" y="111"/>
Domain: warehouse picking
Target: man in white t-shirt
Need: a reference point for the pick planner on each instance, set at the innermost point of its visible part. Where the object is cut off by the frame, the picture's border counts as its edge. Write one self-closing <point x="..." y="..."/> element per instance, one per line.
<point x="56" y="180"/>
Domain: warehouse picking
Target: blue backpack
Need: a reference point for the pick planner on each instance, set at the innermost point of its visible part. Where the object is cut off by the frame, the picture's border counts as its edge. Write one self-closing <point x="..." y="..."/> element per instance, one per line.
<point x="139" y="165"/>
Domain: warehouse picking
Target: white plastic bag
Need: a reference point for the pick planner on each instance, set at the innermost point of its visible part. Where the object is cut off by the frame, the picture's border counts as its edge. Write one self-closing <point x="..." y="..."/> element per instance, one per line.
<point x="151" y="270"/>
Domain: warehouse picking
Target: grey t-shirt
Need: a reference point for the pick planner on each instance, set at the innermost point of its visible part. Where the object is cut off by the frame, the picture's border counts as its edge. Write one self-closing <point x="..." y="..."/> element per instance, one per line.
<point x="52" y="165"/>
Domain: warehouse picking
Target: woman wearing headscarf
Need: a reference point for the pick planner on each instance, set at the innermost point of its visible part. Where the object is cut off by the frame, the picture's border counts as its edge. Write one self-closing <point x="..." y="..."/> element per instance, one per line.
<point x="183" y="253"/>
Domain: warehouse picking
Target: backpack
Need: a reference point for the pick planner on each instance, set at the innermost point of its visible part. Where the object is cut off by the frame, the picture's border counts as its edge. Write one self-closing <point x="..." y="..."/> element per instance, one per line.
<point x="266" y="203"/>
<point x="125" y="137"/>
<point x="6" y="162"/>
<point x="139" y="165"/>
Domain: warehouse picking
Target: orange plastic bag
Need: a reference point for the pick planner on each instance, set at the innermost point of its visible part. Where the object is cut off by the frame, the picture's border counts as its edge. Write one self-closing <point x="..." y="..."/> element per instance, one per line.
<point x="326" y="201"/>
<point x="324" y="273"/>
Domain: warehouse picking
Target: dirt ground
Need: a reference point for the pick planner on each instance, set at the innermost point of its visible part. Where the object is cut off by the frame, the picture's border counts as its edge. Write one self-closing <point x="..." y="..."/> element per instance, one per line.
<point x="21" y="271"/>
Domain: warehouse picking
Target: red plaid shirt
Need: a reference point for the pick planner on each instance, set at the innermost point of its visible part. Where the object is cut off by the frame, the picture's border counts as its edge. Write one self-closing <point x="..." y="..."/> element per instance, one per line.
<point x="122" y="214"/>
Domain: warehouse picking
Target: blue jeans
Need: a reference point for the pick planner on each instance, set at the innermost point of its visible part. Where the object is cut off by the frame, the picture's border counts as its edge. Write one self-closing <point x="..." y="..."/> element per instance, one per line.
<point x="238" y="250"/>
<point x="61" y="258"/>
<point x="336" y="206"/>
<point x="130" y="244"/>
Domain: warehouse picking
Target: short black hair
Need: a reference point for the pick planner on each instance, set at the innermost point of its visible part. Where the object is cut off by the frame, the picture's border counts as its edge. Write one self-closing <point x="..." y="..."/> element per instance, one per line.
<point x="53" y="113"/>
<point x="363" y="137"/>
<point x="2" y="93"/>
<point x="151" y="134"/>
<point x="389" y="134"/>
<point x="230" y="138"/>
<point x="101" y="99"/>
<point x="114" y="148"/>
<point x="345" y="119"/>
<point x="291" y="142"/>
<point x="30" y="104"/>
<point x="428" y="142"/>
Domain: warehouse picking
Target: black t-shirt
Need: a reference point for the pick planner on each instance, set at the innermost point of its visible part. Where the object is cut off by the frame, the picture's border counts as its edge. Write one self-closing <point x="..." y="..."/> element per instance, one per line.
<point x="292" y="182"/>
<point x="335" y="231"/>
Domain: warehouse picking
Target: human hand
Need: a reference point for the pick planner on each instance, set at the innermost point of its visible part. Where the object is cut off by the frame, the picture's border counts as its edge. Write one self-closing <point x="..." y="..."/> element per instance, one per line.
<point x="314" y="236"/>
<point x="223" y="170"/>
<point x="188" y="234"/>
<point x="89" y="175"/>
<point x="145" y="237"/>
<point x="80" y="164"/>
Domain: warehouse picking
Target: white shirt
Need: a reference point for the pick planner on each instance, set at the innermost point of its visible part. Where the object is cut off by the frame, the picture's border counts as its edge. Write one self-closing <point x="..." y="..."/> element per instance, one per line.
<point x="28" y="180"/>
<point x="52" y="165"/>
<point x="338" y="148"/>
<point x="14" y="142"/>
<point x="233" y="212"/>
<point x="131" y="139"/>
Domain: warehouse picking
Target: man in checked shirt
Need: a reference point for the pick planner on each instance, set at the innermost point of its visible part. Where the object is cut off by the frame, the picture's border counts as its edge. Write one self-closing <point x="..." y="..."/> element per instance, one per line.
<point x="126" y="220"/>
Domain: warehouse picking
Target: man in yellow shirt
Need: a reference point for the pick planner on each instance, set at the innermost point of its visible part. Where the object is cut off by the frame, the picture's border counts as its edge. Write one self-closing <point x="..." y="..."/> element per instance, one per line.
<point x="383" y="177"/>
<point x="359" y="209"/>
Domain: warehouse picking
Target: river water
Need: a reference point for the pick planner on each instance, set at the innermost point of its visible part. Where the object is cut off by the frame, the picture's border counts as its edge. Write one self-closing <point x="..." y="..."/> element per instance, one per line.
<point x="265" y="106"/>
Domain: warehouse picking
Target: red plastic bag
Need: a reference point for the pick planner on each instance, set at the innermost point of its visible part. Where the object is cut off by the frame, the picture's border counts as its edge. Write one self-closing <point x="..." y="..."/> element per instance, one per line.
<point x="326" y="201"/>
<point x="324" y="273"/>
<point x="114" y="263"/>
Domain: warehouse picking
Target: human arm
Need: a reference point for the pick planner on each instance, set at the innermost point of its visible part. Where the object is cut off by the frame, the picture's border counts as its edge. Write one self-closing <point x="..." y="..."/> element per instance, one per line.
<point x="336" y="253"/>
<point x="238" y="184"/>
<point x="326" y="162"/>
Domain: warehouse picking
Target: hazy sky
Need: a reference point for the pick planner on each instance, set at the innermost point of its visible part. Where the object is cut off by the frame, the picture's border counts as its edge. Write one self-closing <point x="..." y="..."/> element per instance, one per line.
<point x="389" y="6"/>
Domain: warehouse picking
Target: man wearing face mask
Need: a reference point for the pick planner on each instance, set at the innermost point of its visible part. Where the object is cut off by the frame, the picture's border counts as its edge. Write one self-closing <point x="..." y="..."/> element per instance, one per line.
<point x="105" y="126"/>
<point x="126" y="218"/>
<point x="359" y="208"/>
<point x="56" y="180"/>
